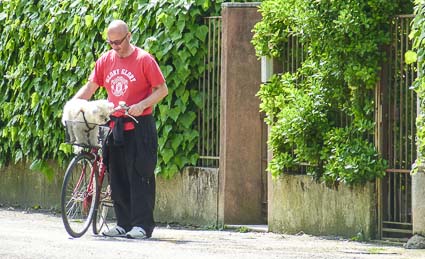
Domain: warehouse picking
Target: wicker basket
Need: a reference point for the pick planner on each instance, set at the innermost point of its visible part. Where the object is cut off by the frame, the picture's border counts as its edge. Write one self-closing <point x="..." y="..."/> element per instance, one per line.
<point x="85" y="134"/>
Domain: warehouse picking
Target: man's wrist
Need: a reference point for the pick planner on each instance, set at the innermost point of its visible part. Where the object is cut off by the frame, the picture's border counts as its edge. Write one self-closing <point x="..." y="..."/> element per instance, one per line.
<point x="142" y="105"/>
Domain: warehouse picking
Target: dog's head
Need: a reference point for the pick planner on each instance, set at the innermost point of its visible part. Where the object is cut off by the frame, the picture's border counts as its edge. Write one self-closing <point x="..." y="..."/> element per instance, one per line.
<point x="98" y="111"/>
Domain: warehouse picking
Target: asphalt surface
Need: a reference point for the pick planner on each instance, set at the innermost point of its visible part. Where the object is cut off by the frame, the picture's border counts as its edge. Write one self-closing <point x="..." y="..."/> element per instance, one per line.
<point x="26" y="234"/>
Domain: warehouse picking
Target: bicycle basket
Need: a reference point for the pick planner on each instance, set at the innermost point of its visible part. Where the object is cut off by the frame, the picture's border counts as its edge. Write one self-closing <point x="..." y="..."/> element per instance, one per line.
<point x="85" y="134"/>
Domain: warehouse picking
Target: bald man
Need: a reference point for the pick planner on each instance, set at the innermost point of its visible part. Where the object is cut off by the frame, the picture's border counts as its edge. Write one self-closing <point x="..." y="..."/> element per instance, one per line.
<point x="129" y="74"/>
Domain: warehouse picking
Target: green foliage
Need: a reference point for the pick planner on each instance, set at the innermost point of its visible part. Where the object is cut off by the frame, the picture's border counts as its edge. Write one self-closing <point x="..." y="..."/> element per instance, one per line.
<point x="243" y="229"/>
<point x="351" y="159"/>
<point x="361" y="237"/>
<point x="322" y="114"/>
<point x="48" y="48"/>
<point x="418" y="36"/>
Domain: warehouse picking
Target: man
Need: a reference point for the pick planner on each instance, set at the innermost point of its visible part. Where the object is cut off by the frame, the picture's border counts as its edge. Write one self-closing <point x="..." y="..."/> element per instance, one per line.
<point x="132" y="75"/>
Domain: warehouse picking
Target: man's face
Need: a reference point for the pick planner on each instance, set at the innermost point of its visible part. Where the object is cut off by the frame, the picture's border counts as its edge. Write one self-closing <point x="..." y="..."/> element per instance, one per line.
<point x="119" y="41"/>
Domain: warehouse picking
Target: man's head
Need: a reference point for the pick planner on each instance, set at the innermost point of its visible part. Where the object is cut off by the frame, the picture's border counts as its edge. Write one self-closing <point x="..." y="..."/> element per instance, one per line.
<point x="119" y="37"/>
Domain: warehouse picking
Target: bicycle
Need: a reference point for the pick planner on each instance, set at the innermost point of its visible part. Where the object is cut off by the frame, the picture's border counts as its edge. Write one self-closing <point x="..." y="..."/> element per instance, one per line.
<point x="85" y="197"/>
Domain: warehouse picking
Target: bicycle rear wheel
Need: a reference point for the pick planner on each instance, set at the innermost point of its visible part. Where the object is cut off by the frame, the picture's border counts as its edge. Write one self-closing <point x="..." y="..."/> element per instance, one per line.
<point x="78" y="195"/>
<point x="103" y="204"/>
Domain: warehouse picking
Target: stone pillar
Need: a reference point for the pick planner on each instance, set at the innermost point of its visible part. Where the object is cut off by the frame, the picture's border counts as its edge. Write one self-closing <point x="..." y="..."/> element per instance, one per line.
<point x="418" y="203"/>
<point x="240" y="131"/>
<point x="418" y="211"/>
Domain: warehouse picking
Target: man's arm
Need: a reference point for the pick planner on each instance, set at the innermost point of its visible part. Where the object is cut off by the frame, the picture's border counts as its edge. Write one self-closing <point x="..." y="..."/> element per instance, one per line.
<point x="87" y="91"/>
<point x="157" y="95"/>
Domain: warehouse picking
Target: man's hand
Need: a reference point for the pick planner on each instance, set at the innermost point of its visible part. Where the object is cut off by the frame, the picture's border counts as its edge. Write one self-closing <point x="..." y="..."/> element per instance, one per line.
<point x="158" y="93"/>
<point x="137" y="109"/>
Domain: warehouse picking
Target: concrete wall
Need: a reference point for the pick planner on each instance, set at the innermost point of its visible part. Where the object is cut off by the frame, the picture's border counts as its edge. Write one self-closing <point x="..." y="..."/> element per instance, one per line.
<point x="298" y="203"/>
<point x="241" y="124"/>
<point x="26" y="188"/>
<point x="188" y="198"/>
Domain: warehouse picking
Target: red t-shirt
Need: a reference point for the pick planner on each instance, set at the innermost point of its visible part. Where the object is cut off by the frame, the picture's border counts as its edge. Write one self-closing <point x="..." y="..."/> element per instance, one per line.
<point x="128" y="79"/>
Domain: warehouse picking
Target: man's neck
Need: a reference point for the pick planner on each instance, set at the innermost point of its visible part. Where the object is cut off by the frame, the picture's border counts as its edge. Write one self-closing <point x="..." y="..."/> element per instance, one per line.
<point x="130" y="51"/>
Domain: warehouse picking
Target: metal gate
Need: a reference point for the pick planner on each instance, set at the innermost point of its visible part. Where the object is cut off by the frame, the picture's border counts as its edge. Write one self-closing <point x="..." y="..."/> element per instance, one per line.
<point x="209" y="87"/>
<point x="397" y="113"/>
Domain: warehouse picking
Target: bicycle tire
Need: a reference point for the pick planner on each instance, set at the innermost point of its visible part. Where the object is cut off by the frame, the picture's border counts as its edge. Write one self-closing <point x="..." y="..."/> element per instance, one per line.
<point x="103" y="203"/>
<point x="77" y="197"/>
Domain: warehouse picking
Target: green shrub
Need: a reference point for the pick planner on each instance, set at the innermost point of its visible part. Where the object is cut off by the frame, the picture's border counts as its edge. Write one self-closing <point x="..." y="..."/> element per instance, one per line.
<point x="322" y="114"/>
<point x="418" y="36"/>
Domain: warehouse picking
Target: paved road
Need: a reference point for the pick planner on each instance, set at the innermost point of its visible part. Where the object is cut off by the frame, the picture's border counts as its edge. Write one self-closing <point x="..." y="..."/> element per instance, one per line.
<point x="39" y="235"/>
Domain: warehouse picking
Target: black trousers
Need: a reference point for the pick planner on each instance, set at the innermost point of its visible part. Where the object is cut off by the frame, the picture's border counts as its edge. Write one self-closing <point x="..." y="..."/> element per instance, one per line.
<point x="131" y="166"/>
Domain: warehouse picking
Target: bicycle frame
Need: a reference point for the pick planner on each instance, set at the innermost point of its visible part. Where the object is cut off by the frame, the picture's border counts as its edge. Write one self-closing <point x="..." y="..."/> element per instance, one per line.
<point x="101" y="166"/>
<point x="98" y="166"/>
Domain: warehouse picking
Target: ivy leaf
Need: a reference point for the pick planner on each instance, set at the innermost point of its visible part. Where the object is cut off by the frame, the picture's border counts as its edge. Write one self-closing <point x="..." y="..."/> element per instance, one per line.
<point x="66" y="148"/>
<point x="13" y="133"/>
<point x="182" y="105"/>
<point x="196" y="97"/>
<point x="161" y="142"/>
<point x="74" y="61"/>
<point x="167" y="154"/>
<point x="163" y="111"/>
<point x="191" y="135"/>
<point x="181" y="161"/>
<point x="161" y="18"/>
<point x="174" y="113"/>
<point x="35" y="98"/>
<point x="410" y="57"/>
<point x="164" y="51"/>
<point x="42" y="167"/>
<point x="185" y="96"/>
<point x="194" y="159"/>
<point x="206" y="5"/>
<point x="18" y="156"/>
<point x="89" y="20"/>
<point x="187" y="119"/>
<point x="201" y="32"/>
<point x="174" y="36"/>
<point x="166" y="130"/>
<point x="168" y="172"/>
<point x="166" y="70"/>
<point x="176" y="141"/>
<point x="180" y="25"/>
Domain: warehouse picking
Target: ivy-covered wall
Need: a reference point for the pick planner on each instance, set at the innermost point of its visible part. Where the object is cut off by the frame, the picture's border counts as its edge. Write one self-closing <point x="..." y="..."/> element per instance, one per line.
<point x="418" y="54"/>
<point x="48" y="48"/>
<point x="323" y="114"/>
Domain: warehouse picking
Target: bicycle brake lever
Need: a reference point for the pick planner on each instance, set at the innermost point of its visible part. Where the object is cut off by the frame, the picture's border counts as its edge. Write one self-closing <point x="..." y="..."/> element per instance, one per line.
<point x="131" y="116"/>
<point x="124" y="106"/>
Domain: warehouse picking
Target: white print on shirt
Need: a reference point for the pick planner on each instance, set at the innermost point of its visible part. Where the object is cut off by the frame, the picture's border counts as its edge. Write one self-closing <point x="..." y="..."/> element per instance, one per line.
<point x="119" y="79"/>
<point x="119" y="86"/>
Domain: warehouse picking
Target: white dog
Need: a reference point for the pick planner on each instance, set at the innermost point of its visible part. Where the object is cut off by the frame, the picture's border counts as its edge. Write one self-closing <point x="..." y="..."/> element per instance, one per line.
<point x="84" y="119"/>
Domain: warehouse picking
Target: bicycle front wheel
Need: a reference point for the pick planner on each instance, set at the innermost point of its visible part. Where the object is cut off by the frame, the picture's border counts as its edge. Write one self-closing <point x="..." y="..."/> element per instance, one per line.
<point x="78" y="198"/>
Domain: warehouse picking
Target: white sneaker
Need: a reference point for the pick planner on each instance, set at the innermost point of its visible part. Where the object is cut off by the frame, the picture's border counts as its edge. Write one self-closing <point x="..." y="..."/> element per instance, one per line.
<point x="136" y="233"/>
<point x="116" y="231"/>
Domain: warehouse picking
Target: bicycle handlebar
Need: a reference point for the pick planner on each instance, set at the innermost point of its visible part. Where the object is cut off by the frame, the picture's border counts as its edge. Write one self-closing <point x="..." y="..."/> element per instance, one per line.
<point x="122" y="106"/>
